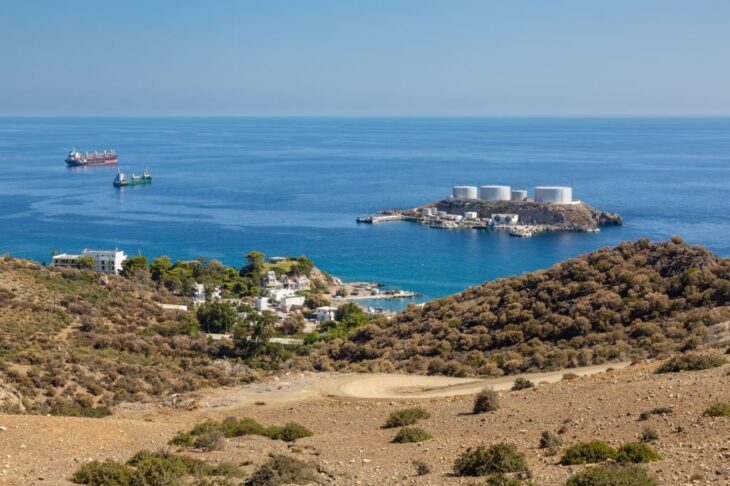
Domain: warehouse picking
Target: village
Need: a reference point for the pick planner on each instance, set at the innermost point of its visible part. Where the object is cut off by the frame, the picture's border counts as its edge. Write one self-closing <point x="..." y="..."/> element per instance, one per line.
<point x="299" y="302"/>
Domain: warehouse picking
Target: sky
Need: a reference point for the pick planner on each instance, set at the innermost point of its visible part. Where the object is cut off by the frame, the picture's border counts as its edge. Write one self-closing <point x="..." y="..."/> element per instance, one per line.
<point x="364" y="58"/>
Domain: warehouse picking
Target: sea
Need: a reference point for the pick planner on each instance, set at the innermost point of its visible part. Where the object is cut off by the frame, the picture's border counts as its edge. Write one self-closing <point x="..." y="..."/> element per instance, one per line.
<point x="294" y="186"/>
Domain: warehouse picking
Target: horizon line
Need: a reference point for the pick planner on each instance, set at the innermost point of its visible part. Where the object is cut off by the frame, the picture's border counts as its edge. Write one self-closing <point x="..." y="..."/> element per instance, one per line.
<point x="576" y="116"/>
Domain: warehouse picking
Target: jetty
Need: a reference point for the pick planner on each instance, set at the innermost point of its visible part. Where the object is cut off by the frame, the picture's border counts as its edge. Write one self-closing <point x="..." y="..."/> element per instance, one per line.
<point x="384" y="218"/>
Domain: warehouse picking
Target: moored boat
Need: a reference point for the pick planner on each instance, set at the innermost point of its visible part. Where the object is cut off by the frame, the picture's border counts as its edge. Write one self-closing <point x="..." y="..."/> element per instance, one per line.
<point x="121" y="180"/>
<point x="77" y="159"/>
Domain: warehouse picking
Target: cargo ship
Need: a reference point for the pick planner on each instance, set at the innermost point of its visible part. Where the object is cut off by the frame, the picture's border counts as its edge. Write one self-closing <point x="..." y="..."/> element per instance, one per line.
<point x="77" y="159"/>
<point x="121" y="180"/>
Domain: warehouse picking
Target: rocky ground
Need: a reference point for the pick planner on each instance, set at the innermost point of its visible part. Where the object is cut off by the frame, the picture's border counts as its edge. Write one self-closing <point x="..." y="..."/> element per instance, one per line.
<point x="350" y="445"/>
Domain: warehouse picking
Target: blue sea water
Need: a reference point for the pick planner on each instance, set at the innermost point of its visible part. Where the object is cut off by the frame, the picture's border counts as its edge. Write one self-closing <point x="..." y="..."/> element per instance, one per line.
<point x="291" y="186"/>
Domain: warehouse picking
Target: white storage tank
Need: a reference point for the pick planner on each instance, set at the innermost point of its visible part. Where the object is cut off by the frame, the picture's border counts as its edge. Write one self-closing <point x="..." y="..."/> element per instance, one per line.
<point x="442" y="214"/>
<point x="554" y="194"/>
<point x="428" y="211"/>
<point x="518" y="195"/>
<point x="472" y="215"/>
<point x="465" y="192"/>
<point x="494" y="193"/>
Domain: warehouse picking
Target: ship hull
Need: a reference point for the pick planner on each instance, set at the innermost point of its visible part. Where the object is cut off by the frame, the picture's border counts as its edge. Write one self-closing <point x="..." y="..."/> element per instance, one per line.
<point x="89" y="163"/>
<point x="133" y="182"/>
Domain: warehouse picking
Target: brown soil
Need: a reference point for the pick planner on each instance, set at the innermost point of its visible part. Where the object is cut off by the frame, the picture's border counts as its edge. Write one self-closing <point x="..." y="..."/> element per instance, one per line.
<point x="351" y="446"/>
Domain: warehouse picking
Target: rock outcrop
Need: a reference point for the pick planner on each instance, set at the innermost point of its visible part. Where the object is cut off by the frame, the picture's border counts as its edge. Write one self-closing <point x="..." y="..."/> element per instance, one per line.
<point x="10" y="400"/>
<point x="571" y="217"/>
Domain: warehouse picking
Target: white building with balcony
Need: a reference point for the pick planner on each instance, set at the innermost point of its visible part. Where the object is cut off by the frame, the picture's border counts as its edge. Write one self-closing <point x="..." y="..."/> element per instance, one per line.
<point x="105" y="261"/>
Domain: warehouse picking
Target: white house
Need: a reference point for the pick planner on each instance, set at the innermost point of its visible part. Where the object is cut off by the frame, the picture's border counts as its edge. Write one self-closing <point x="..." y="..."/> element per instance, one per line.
<point x="261" y="304"/>
<point x="325" y="313"/>
<point x="105" y="261"/>
<point x="291" y="301"/>
<point x="270" y="280"/>
<point x="278" y="294"/>
<point x="199" y="296"/>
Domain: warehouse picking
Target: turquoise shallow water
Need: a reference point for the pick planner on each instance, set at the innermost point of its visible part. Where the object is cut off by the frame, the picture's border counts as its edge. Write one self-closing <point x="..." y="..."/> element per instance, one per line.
<point x="294" y="186"/>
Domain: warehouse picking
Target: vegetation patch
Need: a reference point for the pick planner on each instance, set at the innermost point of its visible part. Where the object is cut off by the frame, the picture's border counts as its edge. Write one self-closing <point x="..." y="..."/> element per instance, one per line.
<point x="411" y="434"/>
<point x="551" y="442"/>
<point x="486" y="401"/>
<point x="655" y="411"/>
<point x="719" y="409"/>
<point x="498" y="458"/>
<point x="105" y="473"/>
<point x="151" y="468"/>
<point x="691" y="362"/>
<point x="587" y="453"/>
<point x="211" y="433"/>
<point x="649" y="435"/>
<point x="612" y="475"/>
<point x="636" y="453"/>
<point x="280" y="469"/>
<point x="522" y="384"/>
<point x="407" y="416"/>
<point x="77" y="410"/>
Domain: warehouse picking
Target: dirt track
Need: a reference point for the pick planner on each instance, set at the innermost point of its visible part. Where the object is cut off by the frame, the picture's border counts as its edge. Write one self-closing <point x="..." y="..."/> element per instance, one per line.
<point x="380" y="386"/>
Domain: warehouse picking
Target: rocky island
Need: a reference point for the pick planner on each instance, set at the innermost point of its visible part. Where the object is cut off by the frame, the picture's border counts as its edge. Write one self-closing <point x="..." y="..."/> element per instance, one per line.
<point x="499" y="207"/>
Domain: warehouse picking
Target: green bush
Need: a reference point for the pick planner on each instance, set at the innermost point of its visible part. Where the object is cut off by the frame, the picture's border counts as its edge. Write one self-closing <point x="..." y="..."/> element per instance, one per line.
<point x="498" y="458"/>
<point x="522" y="384"/>
<point x="636" y="453"/>
<point x="649" y="435"/>
<point x="587" y="453"/>
<point x="183" y="439"/>
<point x="212" y="440"/>
<point x="150" y="468"/>
<point x="407" y="416"/>
<point x="280" y="469"/>
<point x="719" y="409"/>
<point x="107" y="473"/>
<point x="501" y="479"/>
<point x="411" y="434"/>
<point x="289" y="433"/>
<point x="232" y="427"/>
<point x="486" y="401"/>
<point x="75" y="410"/>
<point x="612" y="475"/>
<point x="551" y="442"/>
<point x="691" y="362"/>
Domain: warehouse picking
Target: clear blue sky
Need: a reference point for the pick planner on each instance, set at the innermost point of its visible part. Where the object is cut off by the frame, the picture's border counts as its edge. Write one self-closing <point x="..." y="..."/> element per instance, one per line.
<point x="374" y="57"/>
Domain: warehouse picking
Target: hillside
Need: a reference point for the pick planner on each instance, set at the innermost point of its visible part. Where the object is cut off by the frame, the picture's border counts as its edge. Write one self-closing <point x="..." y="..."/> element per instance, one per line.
<point x="637" y="300"/>
<point x="74" y="338"/>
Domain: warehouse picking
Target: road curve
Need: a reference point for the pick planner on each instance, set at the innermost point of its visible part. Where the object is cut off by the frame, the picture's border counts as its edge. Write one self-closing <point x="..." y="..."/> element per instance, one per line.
<point x="394" y="387"/>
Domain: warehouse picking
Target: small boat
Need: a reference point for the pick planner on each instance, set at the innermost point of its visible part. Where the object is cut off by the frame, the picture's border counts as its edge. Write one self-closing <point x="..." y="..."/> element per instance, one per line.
<point x="121" y="180"/>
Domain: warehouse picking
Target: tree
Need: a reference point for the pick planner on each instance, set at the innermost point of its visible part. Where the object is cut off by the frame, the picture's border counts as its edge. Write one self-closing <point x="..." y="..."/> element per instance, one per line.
<point x="86" y="262"/>
<point x="160" y="267"/>
<point x="293" y="324"/>
<point x="251" y="337"/>
<point x="351" y="315"/>
<point x="217" y="317"/>
<point x="134" y="265"/>
<point x="304" y="266"/>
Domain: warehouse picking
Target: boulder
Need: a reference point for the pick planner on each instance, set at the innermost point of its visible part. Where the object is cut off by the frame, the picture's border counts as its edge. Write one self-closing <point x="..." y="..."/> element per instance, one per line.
<point x="10" y="400"/>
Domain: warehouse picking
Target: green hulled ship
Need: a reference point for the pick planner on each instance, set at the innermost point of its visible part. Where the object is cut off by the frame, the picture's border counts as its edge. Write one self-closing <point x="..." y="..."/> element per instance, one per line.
<point x="121" y="180"/>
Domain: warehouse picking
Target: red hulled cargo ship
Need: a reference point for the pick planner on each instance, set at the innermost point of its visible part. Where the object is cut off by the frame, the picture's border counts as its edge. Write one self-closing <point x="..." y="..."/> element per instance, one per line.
<point x="77" y="159"/>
